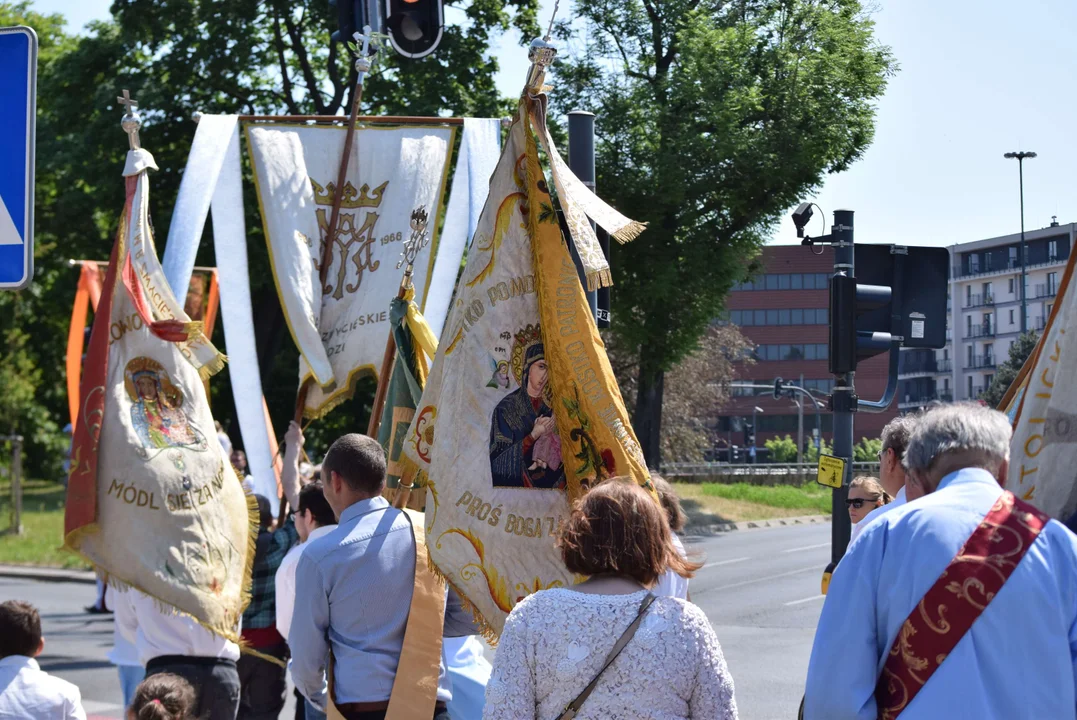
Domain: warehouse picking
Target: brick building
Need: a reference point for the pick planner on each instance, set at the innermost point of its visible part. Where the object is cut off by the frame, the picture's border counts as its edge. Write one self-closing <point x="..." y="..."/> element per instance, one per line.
<point x="783" y="311"/>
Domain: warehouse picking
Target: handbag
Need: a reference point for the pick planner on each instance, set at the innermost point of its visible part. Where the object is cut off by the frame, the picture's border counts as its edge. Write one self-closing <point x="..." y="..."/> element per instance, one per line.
<point x="573" y="708"/>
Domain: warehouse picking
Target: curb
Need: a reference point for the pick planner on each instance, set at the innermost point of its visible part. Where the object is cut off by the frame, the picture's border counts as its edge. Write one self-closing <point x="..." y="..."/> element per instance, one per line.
<point x="48" y="574"/>
<point x="715" y="528"/>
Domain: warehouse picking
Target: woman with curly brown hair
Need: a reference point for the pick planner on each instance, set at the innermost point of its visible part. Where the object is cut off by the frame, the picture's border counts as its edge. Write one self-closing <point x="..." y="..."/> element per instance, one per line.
<point x="608" y="647"/>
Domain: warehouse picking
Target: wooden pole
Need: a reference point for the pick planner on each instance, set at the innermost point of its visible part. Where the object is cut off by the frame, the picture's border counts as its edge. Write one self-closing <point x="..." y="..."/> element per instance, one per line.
<point x="331" y="235"/>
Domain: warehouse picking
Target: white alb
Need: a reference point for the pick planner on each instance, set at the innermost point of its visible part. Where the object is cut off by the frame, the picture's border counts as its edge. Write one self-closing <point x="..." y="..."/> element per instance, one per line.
<point x="556" y="641"/>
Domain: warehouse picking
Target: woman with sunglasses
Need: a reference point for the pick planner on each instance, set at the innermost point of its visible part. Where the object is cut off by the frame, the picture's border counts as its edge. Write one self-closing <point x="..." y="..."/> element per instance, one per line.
<point x="865" y="494"/>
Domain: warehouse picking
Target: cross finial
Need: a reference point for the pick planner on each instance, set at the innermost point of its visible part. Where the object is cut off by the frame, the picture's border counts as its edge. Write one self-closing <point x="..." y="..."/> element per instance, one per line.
<point x="132" y="121"/>
<point x="362" y="60"/>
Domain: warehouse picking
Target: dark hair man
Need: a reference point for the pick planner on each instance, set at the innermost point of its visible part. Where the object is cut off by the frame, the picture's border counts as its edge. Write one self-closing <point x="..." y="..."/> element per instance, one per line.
<point x="25" y="690"/>
<point x="356" y="584"/>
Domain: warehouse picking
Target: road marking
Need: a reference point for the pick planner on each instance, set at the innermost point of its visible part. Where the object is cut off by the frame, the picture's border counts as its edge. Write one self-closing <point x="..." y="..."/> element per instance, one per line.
<point x="768" y="577"/>
<point x="807" y="547"/>
<point x="808" y="599"/>
<point x="724" y="562"/>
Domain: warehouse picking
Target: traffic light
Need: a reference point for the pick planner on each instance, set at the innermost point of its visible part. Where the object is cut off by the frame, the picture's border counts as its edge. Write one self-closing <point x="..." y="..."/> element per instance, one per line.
<point x="749" y="434"/>
<point x="899" y="293"/>
<point x="415" y="26"/>
<point x="349" y="15"/>
<point x="778" y="388"/>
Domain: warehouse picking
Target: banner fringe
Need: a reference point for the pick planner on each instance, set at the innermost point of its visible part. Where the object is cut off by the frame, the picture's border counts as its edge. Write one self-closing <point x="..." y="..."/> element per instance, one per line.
<point x="485" y="629"/>
<point x="600" y="279"/>
<point x="213" y="367"/>
<point x="629" y="232"/>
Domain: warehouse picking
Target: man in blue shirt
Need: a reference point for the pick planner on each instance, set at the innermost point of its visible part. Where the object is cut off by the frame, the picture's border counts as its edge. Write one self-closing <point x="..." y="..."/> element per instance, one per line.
<point x="1018" y="659"/>
<point x="354" y="587"/>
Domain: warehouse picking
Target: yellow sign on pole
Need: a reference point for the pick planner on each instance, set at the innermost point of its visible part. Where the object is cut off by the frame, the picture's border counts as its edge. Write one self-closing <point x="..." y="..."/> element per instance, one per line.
<point x="831" y="471"/>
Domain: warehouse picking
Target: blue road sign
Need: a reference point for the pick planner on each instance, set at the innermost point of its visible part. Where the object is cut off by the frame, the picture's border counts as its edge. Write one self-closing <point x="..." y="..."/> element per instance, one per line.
<point x="18" y="113"/>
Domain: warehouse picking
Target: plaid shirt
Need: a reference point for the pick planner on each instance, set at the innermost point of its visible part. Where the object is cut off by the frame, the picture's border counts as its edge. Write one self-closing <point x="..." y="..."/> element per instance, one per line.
<point x="262" y="612"/>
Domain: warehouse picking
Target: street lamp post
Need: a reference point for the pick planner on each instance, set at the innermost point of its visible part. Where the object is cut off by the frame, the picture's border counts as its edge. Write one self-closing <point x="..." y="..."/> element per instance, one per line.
<point x="1020" y="156"/>
<point x="755" y="430"/>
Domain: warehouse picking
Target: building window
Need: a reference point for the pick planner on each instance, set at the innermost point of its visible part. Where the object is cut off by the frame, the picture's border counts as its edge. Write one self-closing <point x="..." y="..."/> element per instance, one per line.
<point x="970" y="388"/>
<point x="796" y="281"/>
<point x="987" y="380"/>
<point x="810" y="351"/>
<point x="1013" y="257"/>
<point x="797" y="316"/>
<point x="969" y="348"/>
<point x="771" y="282"/>
<point x="1052" y="250"/>
<point x="1052" y="283"/>
<point x="1011" y="311"/>
<point x="1011" y="286"/>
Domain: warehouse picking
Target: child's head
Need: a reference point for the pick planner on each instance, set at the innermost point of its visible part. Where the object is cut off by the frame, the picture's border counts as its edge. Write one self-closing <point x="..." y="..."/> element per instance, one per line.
<point x="162" y="697"/>
<point x="20" y="629"/>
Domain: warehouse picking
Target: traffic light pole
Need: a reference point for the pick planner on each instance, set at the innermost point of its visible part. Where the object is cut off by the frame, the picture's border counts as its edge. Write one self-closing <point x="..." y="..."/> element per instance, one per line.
<point x="843" y="399"/>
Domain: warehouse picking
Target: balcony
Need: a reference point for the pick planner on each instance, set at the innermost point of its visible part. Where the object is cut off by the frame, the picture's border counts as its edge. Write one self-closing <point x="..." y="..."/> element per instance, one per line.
<point x="1046" y="291"/>
<point x="1010" y="265"/>
<point x="976" y="393"/>
<point x="974" y="301"/>
<point x="980" y="331"/>
<point x="1038" y="324"/>
<point x="944" y="367"/>
<point x="980" y="362"/>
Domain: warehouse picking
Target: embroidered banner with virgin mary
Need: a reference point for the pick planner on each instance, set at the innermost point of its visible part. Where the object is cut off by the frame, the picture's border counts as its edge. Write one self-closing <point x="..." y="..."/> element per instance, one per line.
<point x="152" y="500"/>
<point x="521" y="413"/>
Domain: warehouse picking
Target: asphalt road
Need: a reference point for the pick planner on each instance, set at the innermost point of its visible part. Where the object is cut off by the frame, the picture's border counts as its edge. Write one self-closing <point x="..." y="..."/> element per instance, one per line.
<point x="760" y="589"/>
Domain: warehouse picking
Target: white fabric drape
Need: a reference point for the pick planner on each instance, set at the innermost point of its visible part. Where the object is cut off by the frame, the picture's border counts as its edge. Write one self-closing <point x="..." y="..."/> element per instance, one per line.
<point x="213" y="179"/>
<point x="480" y="148"/>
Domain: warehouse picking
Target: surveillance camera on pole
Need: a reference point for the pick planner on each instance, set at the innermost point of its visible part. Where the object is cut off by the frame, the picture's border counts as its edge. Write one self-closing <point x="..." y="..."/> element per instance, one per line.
<point x="415" y="26"/>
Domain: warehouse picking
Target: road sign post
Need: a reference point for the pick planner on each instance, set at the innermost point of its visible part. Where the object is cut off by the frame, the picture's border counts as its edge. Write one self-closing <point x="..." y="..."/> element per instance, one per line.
<point x="18" y="112"/>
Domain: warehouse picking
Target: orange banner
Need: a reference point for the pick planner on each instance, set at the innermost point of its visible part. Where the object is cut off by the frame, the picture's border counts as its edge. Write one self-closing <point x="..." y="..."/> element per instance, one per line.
<point x="86" y="298"/>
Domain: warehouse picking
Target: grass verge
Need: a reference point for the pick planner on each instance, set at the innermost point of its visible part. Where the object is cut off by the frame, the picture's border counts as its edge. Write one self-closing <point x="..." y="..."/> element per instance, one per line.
<point x="708" y="503"/>
<point x="43" y="527"/>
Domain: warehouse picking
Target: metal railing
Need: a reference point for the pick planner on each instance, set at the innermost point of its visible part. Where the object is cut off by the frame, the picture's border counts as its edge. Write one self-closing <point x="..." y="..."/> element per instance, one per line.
<point x="761" y="473"/>
<point x="1039" y="323"/>
<point x="979" y="331"/>
<point x="944" y="366"/>
<point x="972" y="301"/>
<point x="1046" y="290"/>
<point x="924" y="400"/>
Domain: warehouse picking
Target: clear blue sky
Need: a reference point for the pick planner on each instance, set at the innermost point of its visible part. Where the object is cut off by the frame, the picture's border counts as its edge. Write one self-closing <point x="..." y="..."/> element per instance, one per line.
<point x="978" y="78"/>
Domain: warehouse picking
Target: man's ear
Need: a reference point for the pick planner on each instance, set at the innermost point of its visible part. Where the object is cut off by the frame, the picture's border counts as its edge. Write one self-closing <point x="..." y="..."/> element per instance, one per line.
<point x="40" y="648"/>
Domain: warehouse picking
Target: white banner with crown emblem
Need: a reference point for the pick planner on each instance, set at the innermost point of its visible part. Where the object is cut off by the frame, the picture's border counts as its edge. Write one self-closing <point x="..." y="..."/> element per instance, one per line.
<point x="341" y="330"/>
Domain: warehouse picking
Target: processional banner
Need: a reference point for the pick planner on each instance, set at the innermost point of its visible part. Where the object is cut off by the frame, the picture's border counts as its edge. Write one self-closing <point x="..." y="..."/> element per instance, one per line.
<point x="152" y="500"/>
<point x="1043" y="407"/>
<point x="521" y="413"/>
<point x="341" y="328"/>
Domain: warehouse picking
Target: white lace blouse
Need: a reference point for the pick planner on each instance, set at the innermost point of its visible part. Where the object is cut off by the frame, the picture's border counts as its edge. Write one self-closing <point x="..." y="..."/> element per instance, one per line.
<point x="555" y="641"/>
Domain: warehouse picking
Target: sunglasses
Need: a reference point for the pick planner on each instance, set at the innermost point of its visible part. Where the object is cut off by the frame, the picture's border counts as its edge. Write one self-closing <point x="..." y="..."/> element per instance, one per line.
<point x="858" y="502"/>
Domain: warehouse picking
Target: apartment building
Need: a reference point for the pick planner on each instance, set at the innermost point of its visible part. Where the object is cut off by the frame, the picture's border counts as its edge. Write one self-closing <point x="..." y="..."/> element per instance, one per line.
<point x="984" y="312"/>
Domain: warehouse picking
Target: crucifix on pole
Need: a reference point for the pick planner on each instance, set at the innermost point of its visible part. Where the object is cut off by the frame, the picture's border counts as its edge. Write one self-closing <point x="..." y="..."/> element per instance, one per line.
<point x="132" y="121"/>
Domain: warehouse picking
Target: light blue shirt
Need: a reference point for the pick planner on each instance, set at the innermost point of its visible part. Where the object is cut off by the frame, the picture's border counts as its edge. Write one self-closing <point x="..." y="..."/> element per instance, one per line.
<point x="1019" y="659"/>
<point x="353" y="595"/>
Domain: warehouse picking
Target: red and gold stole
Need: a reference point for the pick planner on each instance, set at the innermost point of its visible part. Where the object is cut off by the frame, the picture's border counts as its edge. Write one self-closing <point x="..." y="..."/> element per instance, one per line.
<point x="956" y="600"/>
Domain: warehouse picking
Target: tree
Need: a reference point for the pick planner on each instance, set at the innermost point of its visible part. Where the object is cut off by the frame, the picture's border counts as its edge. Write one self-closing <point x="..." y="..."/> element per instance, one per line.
<point x="697" y="386"/>
<point x="714" y="117"/>
<point x="178" y="57"/>
<point x="1006" y="373"/>
<point x="867" y="450"/>
<point x="782" y="450"/>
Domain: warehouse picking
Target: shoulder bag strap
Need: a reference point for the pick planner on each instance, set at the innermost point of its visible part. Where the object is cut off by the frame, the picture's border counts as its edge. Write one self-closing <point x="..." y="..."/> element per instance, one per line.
<point x="574" y="706"/>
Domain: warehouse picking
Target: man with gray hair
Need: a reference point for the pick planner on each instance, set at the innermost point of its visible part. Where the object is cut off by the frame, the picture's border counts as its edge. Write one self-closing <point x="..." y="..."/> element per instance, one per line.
<point x="935" y="612"/>
<point x="895" y="438"/>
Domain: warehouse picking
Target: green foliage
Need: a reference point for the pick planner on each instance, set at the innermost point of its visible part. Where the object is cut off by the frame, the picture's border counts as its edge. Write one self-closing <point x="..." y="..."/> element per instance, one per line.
<point x="41" y="542"/>
<point x="810" y="496"/>
<point x="867" y="450"/>
<point x="1006" y="373"/>
<point x="713" y="118"/>
<point x="811" y="455"/>
<point x="782" y="450"/>
<point x="215" y="56"/>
